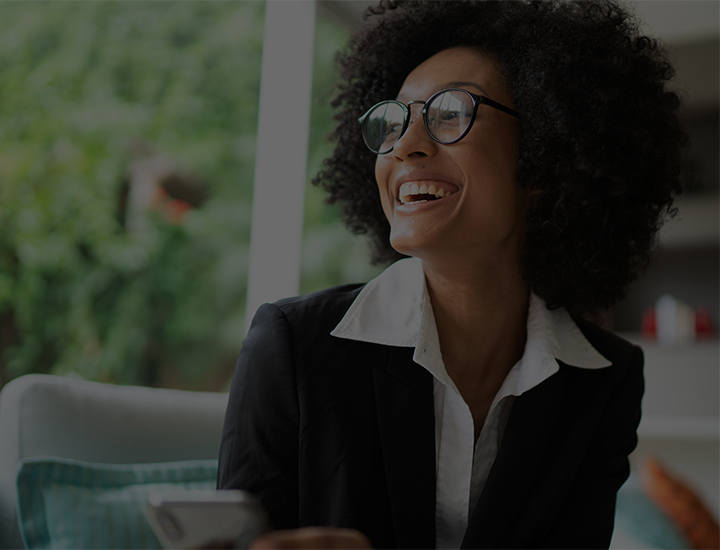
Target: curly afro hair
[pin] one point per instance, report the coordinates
(601, 142)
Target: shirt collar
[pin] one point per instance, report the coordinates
(389, 308)
(394, 309)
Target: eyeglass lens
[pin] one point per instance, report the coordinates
(448, 116)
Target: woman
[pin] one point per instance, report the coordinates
(523, 155)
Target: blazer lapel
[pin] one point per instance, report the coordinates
(404, 397)
(533, 419)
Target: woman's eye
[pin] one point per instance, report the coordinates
(392, 128)
(448, 116)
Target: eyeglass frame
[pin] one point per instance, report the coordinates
(477, 100)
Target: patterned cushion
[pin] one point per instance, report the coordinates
(71, 504)
(681, 504)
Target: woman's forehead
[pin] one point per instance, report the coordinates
(453, 68)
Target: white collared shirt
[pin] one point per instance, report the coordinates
(394, 309)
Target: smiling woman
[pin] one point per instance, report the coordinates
(522, 154)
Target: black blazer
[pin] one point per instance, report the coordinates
(328, 431)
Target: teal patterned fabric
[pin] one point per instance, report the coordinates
(71, 504)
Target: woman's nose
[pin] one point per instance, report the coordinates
(415, 141)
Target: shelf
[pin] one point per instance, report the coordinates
(704, 351)
(679, 427)
(682, 386)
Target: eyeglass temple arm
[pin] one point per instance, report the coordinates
(498, 106)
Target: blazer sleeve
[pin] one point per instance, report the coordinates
(259, 448)
(586, 517)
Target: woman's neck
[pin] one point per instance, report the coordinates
(481, 321)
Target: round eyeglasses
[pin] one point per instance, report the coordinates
(448, 116)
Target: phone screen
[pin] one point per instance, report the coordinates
(206, 519)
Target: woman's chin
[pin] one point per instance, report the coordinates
(412, 245)
(404, 244)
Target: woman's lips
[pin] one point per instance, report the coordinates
(413, 192)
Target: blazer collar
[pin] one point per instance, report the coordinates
(535, 415)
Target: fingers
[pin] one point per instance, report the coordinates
(312, 537)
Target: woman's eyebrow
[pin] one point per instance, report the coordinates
(453, 84)
(463, 83)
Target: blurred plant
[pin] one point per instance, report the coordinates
(82, 84)
(127, 145)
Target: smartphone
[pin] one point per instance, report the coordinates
(205, 519)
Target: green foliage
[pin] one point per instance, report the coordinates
(81, 86)
(87, 89)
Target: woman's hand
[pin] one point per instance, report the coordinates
(312, 537)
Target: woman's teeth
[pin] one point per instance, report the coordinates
(411, 193)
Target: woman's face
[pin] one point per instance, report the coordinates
(480, 217)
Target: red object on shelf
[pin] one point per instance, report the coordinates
(703, 323)
(648, 325)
